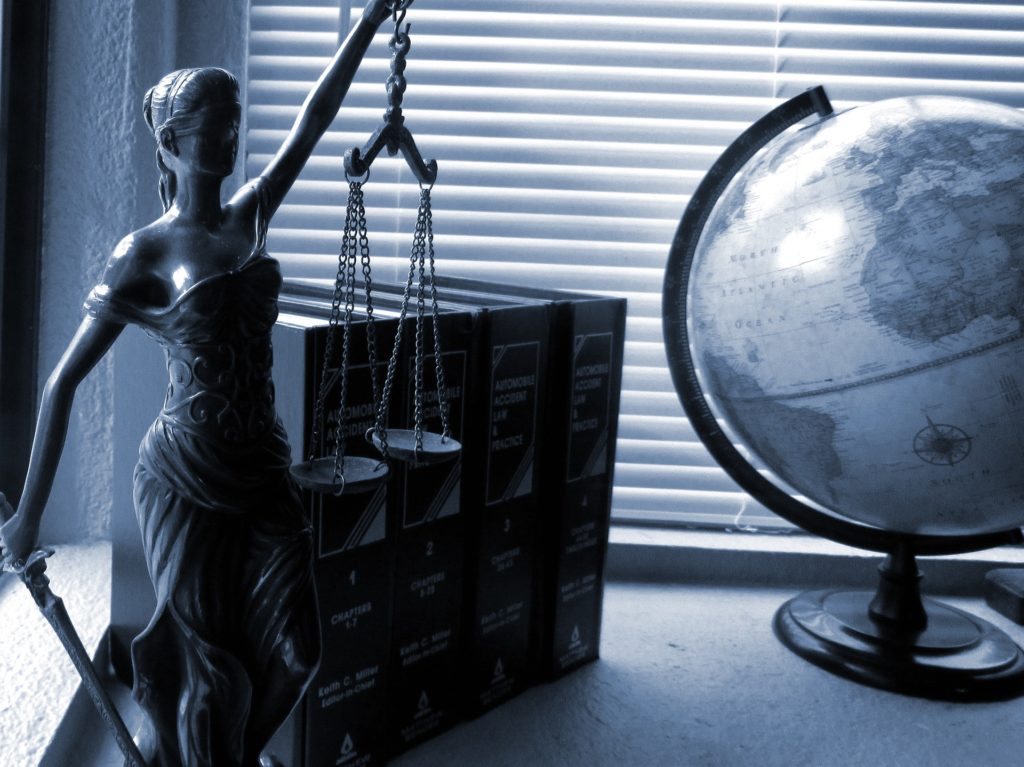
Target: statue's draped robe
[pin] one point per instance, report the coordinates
(226, 542)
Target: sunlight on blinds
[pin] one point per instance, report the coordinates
(570, 134)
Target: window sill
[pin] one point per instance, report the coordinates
(39, 681)
(792, 560)
(692, 675)
(674, 653)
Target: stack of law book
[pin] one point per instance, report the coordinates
(459, 584)
(577, 460)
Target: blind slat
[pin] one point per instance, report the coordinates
(552, 176)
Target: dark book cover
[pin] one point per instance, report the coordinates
(573, 623)
(427, 527)
(341, 719)
(500, 495)
(577, 459)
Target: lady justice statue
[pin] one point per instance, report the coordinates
(235, 637)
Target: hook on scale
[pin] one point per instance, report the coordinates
(392, 134)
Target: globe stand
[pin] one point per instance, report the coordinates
(895, 640)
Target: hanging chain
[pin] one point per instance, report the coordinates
(354, 244)
(389, 376)
(371, 333)
(340, 279)
(419, 247)
(442, 391)
(422, 251)
(398, 10)
(350, 249)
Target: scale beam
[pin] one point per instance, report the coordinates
(393, 135)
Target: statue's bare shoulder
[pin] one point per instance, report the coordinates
(135, 269)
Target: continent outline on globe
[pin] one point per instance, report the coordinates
(855, 363)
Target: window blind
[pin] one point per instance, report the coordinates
(570, 135)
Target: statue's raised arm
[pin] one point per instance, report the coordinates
(319, 108)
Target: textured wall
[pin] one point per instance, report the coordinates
(100, 185)
(90, 190)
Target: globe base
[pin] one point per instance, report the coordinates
(952, 656)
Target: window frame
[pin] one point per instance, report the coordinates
(23, 87)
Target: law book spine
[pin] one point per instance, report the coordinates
(427, 526)
(500, 497)
(341, 719)
(593, 340)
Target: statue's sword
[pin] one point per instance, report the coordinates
(33, 574)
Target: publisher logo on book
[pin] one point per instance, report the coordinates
(574, 638)
(499, 672)
(349, 755)
(423, 706)
(500, 686)
(425, 719)
(576, 649)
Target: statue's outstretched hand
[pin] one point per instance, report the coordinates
(17, 539)
(379, 11)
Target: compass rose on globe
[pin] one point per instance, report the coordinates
(941, 443)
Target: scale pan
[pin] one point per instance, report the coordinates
(436, 449)
(361, 475)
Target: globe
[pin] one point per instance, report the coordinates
(842, 315)
(855, 313)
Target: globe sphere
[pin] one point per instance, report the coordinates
(856, 300)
